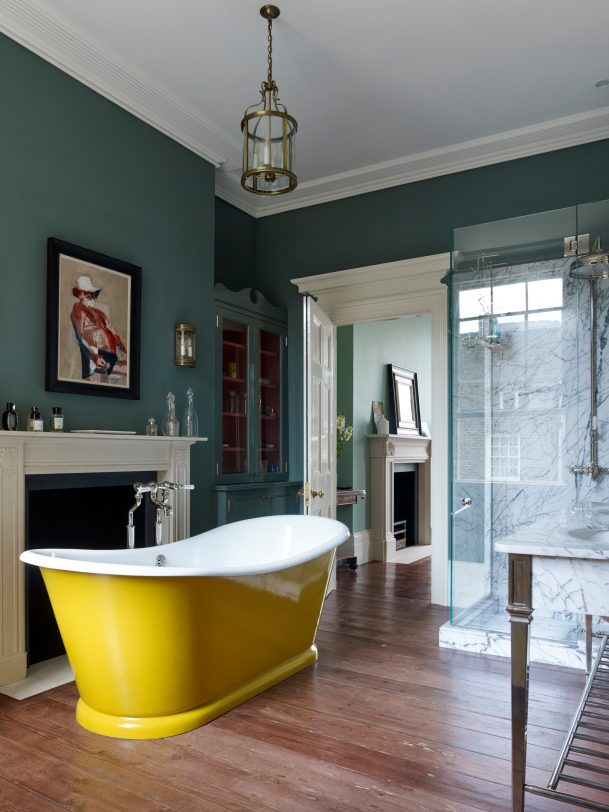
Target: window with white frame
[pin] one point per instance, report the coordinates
(505, 457)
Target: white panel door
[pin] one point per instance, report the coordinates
(320, 412)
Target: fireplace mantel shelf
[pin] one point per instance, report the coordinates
(24, 453)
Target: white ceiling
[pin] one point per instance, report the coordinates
(385, 92)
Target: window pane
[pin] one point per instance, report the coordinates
(474, 302)
(470, 326)
(545, 293)
(509, 298)
(549, 318)
(517, 319)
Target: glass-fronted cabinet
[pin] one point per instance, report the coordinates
(251, 360)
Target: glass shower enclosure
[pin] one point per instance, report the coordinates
(527, 417)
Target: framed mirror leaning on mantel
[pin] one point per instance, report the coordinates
(404, 412)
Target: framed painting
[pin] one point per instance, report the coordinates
(93, 323)
(405, 417)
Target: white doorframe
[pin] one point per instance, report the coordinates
(393, 290)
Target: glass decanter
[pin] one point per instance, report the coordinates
(171, 424)
(190, 421)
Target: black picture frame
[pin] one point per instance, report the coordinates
(404, 412)
(92, 347)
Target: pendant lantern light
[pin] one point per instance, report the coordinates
(268, 134)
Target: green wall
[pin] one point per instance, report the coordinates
(409, 221)
(77, 167)
(235, 250)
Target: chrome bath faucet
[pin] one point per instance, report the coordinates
(159, 496)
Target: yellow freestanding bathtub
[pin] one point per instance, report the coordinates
(164, 639)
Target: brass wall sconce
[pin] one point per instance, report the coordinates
(185, 349)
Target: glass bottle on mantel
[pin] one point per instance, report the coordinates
(190, 421)
(9, 418)
(171, 424)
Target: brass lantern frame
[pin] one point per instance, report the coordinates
(264, 170)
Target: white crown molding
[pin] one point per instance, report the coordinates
(71, 50)
(559, 133)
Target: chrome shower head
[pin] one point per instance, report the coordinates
(591, 266)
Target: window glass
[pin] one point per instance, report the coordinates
(545, 293)
(509, 298)
(474, 302)
(550, 317)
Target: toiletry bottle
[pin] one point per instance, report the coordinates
(171, 424)
(190, 421)
(57, 419)
(35, 422)
(9, 417)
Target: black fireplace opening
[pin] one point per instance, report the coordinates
(75, 511)
(405, 502)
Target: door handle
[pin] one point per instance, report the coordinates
(321, 494)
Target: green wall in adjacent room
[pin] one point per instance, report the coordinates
(409, 221)
(344, 403)
(402, 342)
(77, 167)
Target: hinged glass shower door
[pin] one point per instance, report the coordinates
(519, 404)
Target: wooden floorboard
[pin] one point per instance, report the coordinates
(386, 721)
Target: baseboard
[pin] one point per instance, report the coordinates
(13, 668)
(362, 546)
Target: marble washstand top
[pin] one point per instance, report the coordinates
(573, 536)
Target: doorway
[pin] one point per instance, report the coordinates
(393, 290)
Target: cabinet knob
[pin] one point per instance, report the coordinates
(321, 494)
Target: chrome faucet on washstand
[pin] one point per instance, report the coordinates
(159, 496)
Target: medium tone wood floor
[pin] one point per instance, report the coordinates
(386, 720)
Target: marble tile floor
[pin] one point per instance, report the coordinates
(484, 628)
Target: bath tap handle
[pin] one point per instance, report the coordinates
(130, 524)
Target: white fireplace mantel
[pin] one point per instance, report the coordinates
(23, 453)
(384, 451)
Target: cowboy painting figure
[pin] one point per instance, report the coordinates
(100, 345)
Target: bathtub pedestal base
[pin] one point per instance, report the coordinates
(156, 727)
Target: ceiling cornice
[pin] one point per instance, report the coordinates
(71, 50)
(560, 133)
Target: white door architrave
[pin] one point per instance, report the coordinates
(393, 290)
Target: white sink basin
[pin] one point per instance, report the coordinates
(589, 534)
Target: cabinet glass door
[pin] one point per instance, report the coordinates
(234, 459)
(269, 399)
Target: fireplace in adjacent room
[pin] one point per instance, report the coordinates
(399, 491)
(405, 504)
(75, 511)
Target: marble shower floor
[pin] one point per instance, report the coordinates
(489, 615)
(485, 629)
